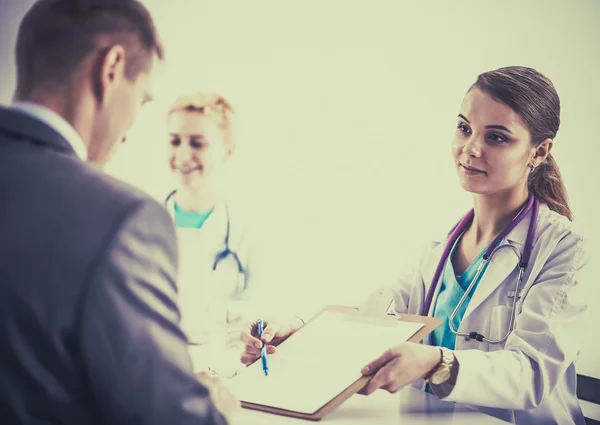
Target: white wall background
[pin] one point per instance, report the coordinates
(345, 118)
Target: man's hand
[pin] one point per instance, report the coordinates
(275, 333)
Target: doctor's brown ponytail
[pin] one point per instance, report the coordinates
(545, 181)
(534, 98)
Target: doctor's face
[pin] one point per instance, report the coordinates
(492, 146)
(197, 151)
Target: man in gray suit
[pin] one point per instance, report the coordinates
(89, 324)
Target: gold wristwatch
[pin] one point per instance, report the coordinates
(441, 373)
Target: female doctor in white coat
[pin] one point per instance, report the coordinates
(213, 249)
(505, 350)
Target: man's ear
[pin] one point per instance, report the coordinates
(110, 71)
(541, 152)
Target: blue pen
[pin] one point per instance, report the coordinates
(263, 350)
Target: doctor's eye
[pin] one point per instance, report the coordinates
(196, 144)
(175, 142)
(497, 138)
(463, 128)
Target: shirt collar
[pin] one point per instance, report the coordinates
(56, 122)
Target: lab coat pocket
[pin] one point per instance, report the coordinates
(499, 325)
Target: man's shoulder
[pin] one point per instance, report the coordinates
(109, 188)
(79, 181)
(88, 198)
(104, 192)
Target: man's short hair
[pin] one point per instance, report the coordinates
(55, 36)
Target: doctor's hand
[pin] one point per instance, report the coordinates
(223, 399)
(274, 333)
(400, 366)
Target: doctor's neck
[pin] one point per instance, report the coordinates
(493, 213)
(200, 201)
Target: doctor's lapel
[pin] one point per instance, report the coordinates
(428, 268)
(503, 263)
(215, 226)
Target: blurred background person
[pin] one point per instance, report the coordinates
(216, 281)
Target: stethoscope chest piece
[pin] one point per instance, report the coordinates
(227, 270)
(531, 207)
(226, 267)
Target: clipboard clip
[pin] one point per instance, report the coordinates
(391, 311)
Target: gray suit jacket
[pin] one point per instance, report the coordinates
(89, 324)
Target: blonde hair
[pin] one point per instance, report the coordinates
(211, 105)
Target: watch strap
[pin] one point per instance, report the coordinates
(446, 360)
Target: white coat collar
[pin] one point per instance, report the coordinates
(516, 235)
(502, 265)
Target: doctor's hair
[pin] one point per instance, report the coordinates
(211, 105)
(55, 36)
(533, 96)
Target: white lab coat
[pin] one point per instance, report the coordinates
(531, 378)
(204, 296)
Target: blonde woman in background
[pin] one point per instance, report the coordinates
(215, 264)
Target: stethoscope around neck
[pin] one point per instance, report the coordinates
(532, 206)
(226, 252)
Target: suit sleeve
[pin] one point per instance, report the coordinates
(133, 352)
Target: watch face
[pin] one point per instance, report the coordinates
(440, 376)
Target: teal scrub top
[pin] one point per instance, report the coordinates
(451, 291)
(189, 219)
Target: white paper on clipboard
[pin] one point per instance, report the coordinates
(320, 361)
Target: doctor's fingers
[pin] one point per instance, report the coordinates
(395, 386)
(382, 360)
(388, 378)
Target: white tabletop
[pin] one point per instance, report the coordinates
(409, 406)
